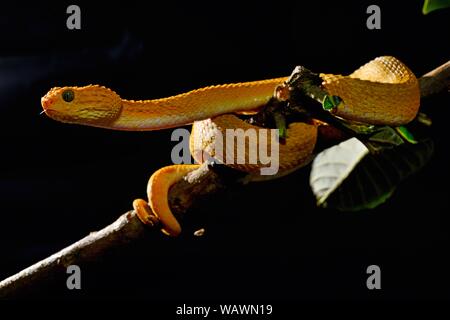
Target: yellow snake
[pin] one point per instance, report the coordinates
(383, 91)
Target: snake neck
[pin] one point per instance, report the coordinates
(196, 105)
(147, 115)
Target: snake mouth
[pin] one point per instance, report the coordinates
(55, 115)
(46, 106)
(46, 103)
(49, 112)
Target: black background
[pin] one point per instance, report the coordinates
(266, 242)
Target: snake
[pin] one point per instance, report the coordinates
(384, 91)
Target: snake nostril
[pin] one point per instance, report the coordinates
(46, 102)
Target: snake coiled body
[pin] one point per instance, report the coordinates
(384, 91)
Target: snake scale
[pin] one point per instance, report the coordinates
(383, 92)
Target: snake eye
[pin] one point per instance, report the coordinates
(68, 95)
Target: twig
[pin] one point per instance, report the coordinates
(435, 81)
(184, 195)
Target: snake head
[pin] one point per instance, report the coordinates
(90, 105)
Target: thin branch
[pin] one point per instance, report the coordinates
(184, 195)
(127, 228)
(435, 81)
(124, 230)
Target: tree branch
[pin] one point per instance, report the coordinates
(184, 195)
(198, 185)
(124, 230)
(435, 81)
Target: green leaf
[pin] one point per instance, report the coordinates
(432, 5)
(280, 123)
(330, 102)
(373, 179)
(358, 127)
(406, 134)
(386, 135)
(333, 165)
